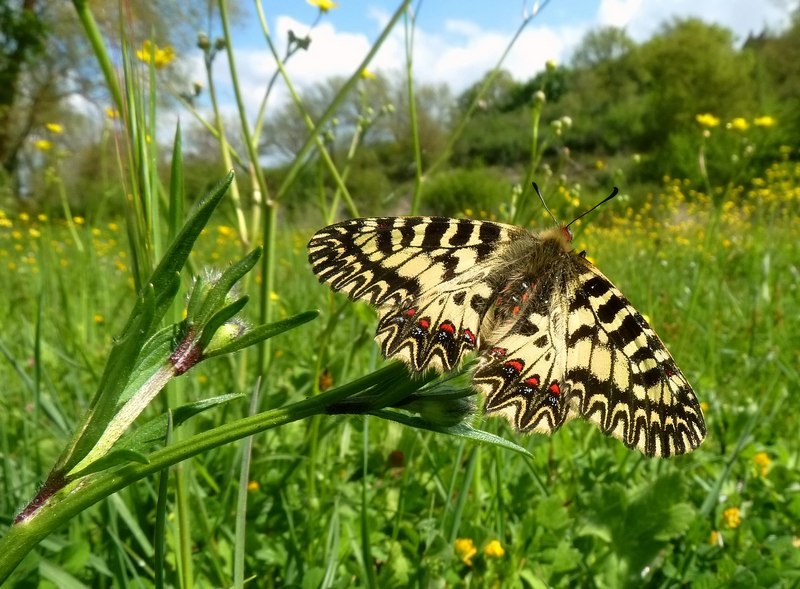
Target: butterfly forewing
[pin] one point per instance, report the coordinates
(555, 337)
(631, 387)
(426, 275)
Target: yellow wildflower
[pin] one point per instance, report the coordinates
(55, 128)
(42, 217)
(600, 165)
(465, 549)
(707, 120)
(367, 75)
(226, 231)
(253, 486)
(160, 56)
(715, 539)
(739, 123)
(7, 223)
(112, 113)
(24, 217)
(33, 232)
(43, 144)
(494, 549)
(732, 517)
(273, 296)
(98, 319)
(704, 406)
(323, 5)
(765, 121)
(78, 220)
(762, 462)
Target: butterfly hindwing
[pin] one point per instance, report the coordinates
(589, 353)
(426, 275)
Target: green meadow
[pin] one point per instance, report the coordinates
(284, 456)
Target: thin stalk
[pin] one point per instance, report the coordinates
(487, 83)
(99, 49)
(410, 23)
(366, 553)
(329, 113)
(314, 135)
(241, 501)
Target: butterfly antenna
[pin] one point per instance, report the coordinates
(541, 198)
(614, 193)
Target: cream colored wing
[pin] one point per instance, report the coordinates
(426, 275)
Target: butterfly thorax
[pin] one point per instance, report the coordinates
(532, 268)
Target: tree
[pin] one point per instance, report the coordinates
(48, 71)
(692, 67)
(23, 35)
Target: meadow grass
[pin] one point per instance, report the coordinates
(333, 501)
(329, 495)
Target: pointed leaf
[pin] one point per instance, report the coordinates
(264, 332)
(462, 430)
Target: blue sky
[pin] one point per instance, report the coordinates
(457, 42)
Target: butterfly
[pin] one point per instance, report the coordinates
(554, 337)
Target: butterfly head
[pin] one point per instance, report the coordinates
(560, 235)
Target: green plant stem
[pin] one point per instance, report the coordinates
(22, 538)
(410, 23)
(487, 83)
(300, 159)
(99, 48)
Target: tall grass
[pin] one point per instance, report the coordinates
(318, 500)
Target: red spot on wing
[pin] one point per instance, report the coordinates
(498, 352)
(469, 336)
(410, 312)
(424, 323)
(515, 364)
(448, 327)
(555, 389)
(532, 381)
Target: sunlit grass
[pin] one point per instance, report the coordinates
(716, 274)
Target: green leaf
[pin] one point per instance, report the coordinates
(121, 363)
(219, 319)
(176, 187)
(155, 430)
(219, 291)
(263, 332)
(462, 430)
(110, 460)
(178, 252)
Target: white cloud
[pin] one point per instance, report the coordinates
(460, 51)
(642, 18)
(458, 55)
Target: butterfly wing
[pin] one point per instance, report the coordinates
(426, 275)
(580, 349)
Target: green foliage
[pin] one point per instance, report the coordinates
(495, 139)
(476, 192)
(322, 495)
